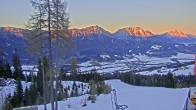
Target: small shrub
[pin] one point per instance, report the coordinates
(69, 106)
(92, 98)
(84, 105)
(92, 101)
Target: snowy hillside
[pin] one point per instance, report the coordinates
(136, 98)
(10, 88)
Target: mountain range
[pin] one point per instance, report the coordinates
(94, 42)
(132, 31)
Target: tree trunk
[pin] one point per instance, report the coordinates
(50, 56)
(57, 41)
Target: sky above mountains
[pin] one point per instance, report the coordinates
(156, 15)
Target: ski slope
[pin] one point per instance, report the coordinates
(137, 98)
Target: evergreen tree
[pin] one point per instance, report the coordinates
(1, 69)
(68, 88)
(61, 75)
(72, 94)
(14, 101)
(170, 80)
(18, 75)
(29, 78)
(33, 93)
(82, 86)
(38, 100)
(74, 68)
(7, 104)
(63, 93)
(17, 99)
(40, 78)
(27, 99)
(7, 69)
(19, 92)
(2, 52)
(66, 93)
(76, 91)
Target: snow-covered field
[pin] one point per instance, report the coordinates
(142, 62)
(136, 98)
(186, 70)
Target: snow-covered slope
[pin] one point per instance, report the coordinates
(88, 31)
(137, 98)
(177, 33)
(10, 88)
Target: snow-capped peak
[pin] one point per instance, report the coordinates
(138, 32)
(177, 33)
(17, 31)
(88, 31)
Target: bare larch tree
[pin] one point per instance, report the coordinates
(54, 18)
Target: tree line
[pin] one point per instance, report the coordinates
(169, 80)
(5, 68)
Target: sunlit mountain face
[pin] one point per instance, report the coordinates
(96, 42)
(13, 30)
(138, 32)
(88, 31)
(177, 33)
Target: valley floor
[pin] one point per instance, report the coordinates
(146, 65)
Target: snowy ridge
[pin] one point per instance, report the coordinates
(177, 33)
(138, 32)
(88, 31)
(13, 30)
